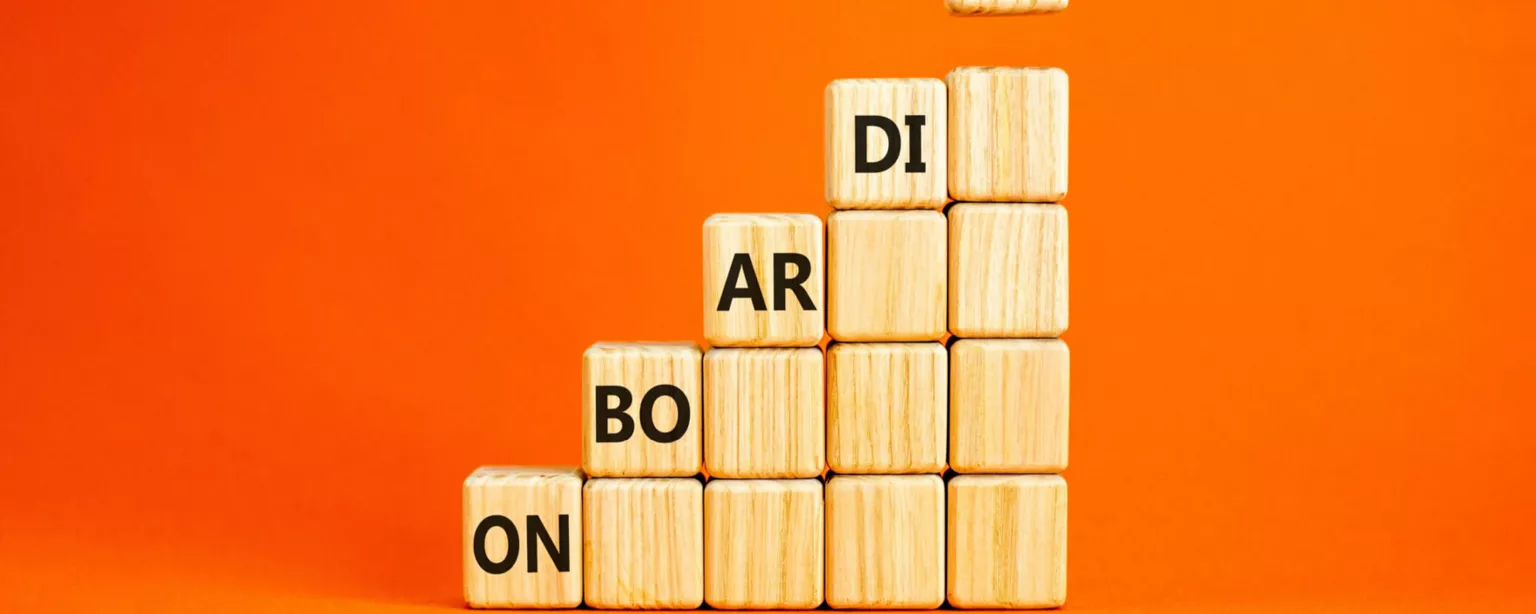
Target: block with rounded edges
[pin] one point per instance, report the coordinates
(904, 172)
(1004, 7)
(764, 413)
(885, 541)
(1007, 541)
(656, 385)
(1007, 134)
(763, 280)
(522, 537)
(886, 275)
(763, 544)
(644, 544)
(1007, 270)
(887, 407)
(1008, 405)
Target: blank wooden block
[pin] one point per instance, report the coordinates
(1003, 7)
(1007, 270)
(763, 542)
(656, 385)
(886, 407)
(904, 172)
(1008, 134)
(645, 543)
(886, 274)
(1008, 406)
(522, 537)
(763, 280)
(764, 413)
(1007, 541)
(885, 541)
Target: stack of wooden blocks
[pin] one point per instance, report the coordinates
(766, 474)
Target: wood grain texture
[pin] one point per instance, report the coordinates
(897, 187)
(763, 544)
(887, 407)
(885, 541)
(1008, 407)
(1003, 7)
(1008, 134)
(638, 367)
(886, 275)
(761, 236)
(644, 544)
(1007, 270)
(764, 413)
(1007, 541)
(516, 493)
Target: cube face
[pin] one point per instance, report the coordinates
(1007, 270)
(640, 404)
(1003, 7)
(886, 144)
(764, 413)
(763, 280)
(1008, 407)
(1007, 134)
(887, 407)
(763, 544)
(885, 537)
(522, 537)
(886, 274)
(644, 544)
(1007, 541)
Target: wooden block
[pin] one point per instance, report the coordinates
(522, 537)
(1008, 134)
(645, 543)
(764, 413)
(763, 280)
(885, 541)
(1007, 270)
(1003, 7)
(886, 274)
(640, 409)
(886, 144)
(763, 544)
(1008, 409)
(1007, 541)
(886, 407)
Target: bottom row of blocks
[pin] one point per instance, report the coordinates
(856, 542)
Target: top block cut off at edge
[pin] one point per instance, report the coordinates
(764, 282)
(886, 144)
(1004, 7)
(1007, 134)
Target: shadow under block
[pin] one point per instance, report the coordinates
(901, 124)
(886, 275)
(1007, 541)
(885, 541)
(640, 404)
(1008, 405)
(1007, 270)
(1003, 7)
(522, 537)
(764, 413)
(763, 544)
(644, 544)
(886, 407)
(763, 280)
(1007, 134)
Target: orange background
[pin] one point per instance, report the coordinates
(274, 279)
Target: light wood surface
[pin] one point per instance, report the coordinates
(763, 544)
(638, 367)
(1007, 270)
(761, 236)
(885, 541)
(1007, 541)
(886, 275)
(1007, 134)
(896, 187)
(1003, 7)
(644, 543)
(886, 407)
(516, 493)
(764, 413)
(1008, 407)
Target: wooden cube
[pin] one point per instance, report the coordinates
(1007, 270)
(886, 274)
(763, 544)
(1008, 409)
(640, 404)
(1007, 541)
(886, 407)
(764, 413)
(763, 280)
(522, 537)
(886, 144)
(1008, 134)
(885, 541)
(1003, 7)
(645, 543)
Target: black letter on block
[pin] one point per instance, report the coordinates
(561, 556)
(861, 126)
(784, 282)
(741, 267)
(496, 568)
(648, 422)
(606, 414)
(915, 147)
